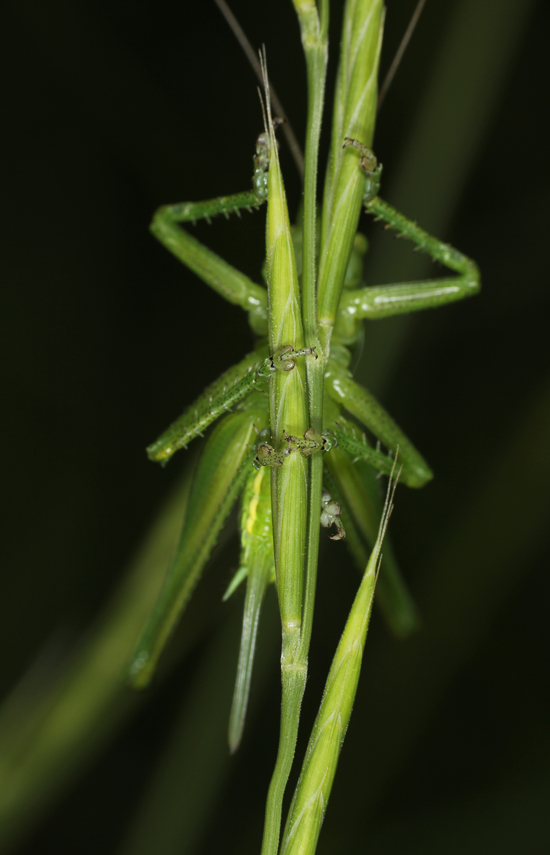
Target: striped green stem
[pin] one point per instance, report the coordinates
(288, 410)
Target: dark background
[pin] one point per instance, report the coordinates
(109, 111)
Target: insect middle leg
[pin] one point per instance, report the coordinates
(231, 388)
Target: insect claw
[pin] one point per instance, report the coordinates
(329, 441)
(330, 515)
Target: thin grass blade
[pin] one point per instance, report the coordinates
(315, 783)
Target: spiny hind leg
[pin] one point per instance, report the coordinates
(363, 405)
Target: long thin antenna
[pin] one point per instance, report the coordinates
(266, 129)
(251, 56)
(265, 83)
(400, 51)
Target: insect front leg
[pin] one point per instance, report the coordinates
(233, 285)
(387, 300)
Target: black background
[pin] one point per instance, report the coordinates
(112, 109)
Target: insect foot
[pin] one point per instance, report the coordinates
(308, 444)
(284, 359)
(329, 440)
(267, 456)
(312, 441)
(330, 515)
(371, 167)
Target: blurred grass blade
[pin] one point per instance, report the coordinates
(46, 739)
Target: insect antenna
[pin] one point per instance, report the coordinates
(399, 53)
(266, 105)
(388, 503)
(248, 50)
(265, 82)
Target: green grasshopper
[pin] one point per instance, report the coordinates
(293, 418)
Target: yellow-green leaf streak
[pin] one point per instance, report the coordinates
(257, 560)
(219, 479)
(288, 406)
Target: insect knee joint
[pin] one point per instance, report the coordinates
(371, 168)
